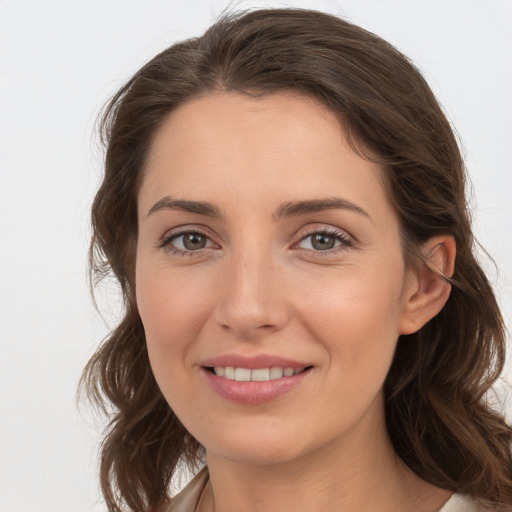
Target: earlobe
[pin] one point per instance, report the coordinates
(428, 288)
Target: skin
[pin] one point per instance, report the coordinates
(261, 285)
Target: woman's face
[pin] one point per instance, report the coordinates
(268, 249)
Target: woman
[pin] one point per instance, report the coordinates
(283, 205)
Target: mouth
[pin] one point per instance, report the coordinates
(256, 385)
(255, 374)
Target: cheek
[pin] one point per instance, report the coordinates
(164, 316)
(167, 306)
(356, 319)
(173, 312)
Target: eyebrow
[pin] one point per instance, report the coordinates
(289, 209)
(200, 207)
(317, 205)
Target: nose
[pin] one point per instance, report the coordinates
(252, 300)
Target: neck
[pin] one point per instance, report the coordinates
(358, 473)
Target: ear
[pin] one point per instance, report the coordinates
(427, 288)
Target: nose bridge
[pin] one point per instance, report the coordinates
(252, 299)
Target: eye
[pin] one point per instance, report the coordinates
(185, 242)
(325, 240)
(191, 241)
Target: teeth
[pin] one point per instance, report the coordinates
(256, 375)
(260, 374)
(243, 375)
(276, 372)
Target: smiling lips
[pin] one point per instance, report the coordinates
(253, 380)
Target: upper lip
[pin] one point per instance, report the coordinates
(253, 362)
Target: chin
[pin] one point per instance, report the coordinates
(254, 455)
(253, 446)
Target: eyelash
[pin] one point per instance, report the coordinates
(346, 241)
(165, 242)
(337, 234)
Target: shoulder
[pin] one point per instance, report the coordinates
(187, 499)
(462, 503)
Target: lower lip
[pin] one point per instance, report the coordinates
(253, 393)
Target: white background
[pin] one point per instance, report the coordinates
(59, 62)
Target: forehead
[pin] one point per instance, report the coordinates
(276, 146)
(231, 120)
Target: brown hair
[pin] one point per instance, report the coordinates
(436, 409)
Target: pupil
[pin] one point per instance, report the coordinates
(194, 241)
(323, 242)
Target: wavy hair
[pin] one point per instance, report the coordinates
(437, 414)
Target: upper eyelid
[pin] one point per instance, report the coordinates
(181, 230)
(326, 229)
(343, 234)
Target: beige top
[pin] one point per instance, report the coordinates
(188, 498)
